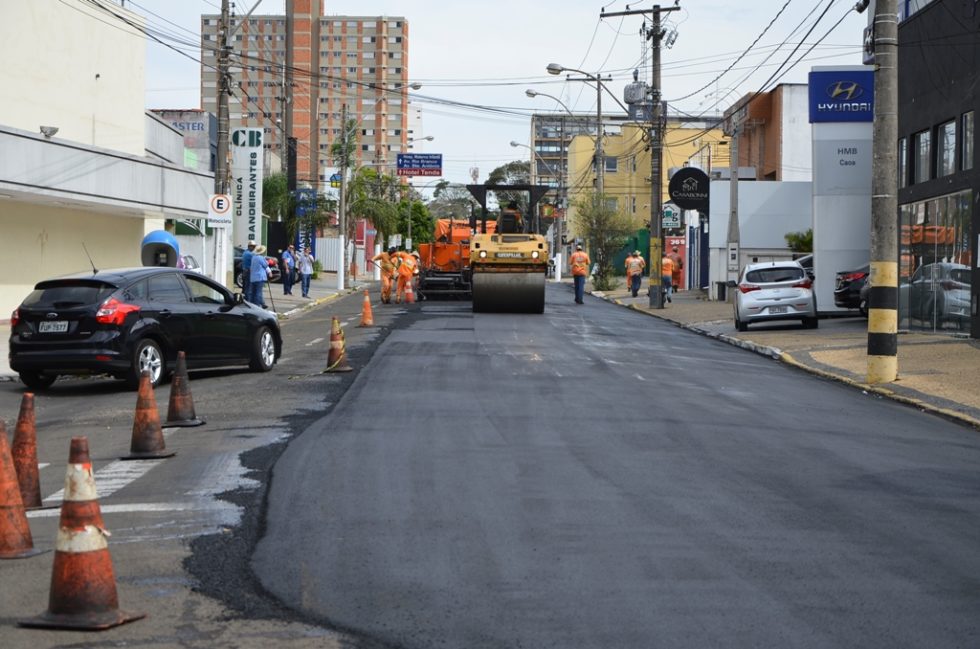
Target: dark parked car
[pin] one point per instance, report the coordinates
(939, 293)
(123, 321)
(847, 290)
(807, 262)
(274, 273)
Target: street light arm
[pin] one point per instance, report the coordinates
(555, 68)
(538, 156)
(535, 93)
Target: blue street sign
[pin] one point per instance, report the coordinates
(419, 164)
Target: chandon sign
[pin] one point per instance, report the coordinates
(688, 188)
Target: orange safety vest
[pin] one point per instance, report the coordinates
(387, 265)
(407, 266)
(635, 266)
(666, 266)
(579, 261)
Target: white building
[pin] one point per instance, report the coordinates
(81, 162)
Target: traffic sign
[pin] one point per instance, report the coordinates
(219, 211)
(419, 164)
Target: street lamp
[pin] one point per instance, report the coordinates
(555, 68)
(534, 93)
(427, 138)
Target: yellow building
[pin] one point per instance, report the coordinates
(626, 153)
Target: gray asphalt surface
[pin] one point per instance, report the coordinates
(547, 481)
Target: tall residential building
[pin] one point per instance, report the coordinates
(357, 61)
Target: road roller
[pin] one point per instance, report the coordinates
(508, 268)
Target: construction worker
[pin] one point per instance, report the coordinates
(635, 266)
(405, 267)
(675, 256)
(385, 261)
(579, 262)
(666, 275)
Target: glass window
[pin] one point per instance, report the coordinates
(612, 164)
(920, 157)
(166, 288)
(967, 142)
(202, 292)
(946, 149)
(903, 162)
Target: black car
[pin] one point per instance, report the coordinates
(123, 321)
(847, 290)
(274, 273)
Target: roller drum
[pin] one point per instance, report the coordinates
(508, 292)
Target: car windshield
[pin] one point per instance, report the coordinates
(772, 275)
(68, 293)
(961, 275)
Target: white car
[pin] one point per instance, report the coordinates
(774, 290)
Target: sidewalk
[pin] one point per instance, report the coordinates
(937, 372)
(321, 290)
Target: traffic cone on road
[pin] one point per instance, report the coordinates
(337, 358)
(147, 441)
(409, 293)
(83, 585)
(180, 409)
(367, 317)
(24, 453)
(15, 534)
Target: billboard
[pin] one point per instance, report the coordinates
(246, 185)
(843, 95)
(419, 164)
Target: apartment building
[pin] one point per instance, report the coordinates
(360, 62)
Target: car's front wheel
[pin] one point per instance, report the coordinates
(263, 350)
(147, 357)
(37, 380)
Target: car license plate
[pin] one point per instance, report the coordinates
(777, 309)
(53, 327)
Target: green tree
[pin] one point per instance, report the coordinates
(372, 195)
(279, 203)
(517, 172)
(800, 241)
(605, 230)
(451, 200)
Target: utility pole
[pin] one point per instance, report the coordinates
(733, 254)
(342, 205)
(655, 291)
(883, 299)
(220, 262)
(287, 76)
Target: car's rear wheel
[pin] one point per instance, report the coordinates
(37, 380)
(263, 350)
(239, 281)
(739, 325)
(810, 323)
(147, 357)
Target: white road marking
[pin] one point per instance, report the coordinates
(114, 476)
(41, 465)
(639, 377)
(314, 341)
(124, 508)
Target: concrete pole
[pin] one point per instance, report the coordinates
(655, 293)
(883, 298)
(732, 254)
(600, 162)
(342, 205)
(221, 271)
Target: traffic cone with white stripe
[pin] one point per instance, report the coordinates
(367, 316)
(147, 441)
(409, 293)
(15, 534)
(24, 452)
(337, 358)
(83, 585)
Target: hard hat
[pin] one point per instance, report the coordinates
(578, 246)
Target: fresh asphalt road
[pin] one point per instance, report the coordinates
(593, 477)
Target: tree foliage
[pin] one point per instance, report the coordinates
(605, 230)
(450, 200)
(279, 203)
(800, 241)
(516, 172)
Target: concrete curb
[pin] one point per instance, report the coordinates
(785, 357)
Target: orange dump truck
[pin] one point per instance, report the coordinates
(445, 263)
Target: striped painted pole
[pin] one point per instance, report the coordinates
(83, 584)
(883, 322)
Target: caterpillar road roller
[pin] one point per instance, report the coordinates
(508, 267)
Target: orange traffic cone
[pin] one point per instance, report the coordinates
(83, 584)
(15, 534)
(147, 442)
(367, 317)
(337, 358)
(180, 409)
(409, 293)
(24, 453)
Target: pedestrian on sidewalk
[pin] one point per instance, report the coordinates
(288, 269)
(257, 276)
(246, 267)
(579, 262)
(635, 266)
(666, 276)
(675, 274)
(306, 270)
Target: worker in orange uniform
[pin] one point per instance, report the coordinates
(405, 265)
(675, 256)
(666, 276)
(635, 267)
(385, 261)
(579, 262)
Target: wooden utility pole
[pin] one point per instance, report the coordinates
(655, 291)
(224, 89)
(883, 298)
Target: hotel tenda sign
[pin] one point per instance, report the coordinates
(842, 96)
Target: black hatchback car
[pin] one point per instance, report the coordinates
(124, 321)
(847, 290)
